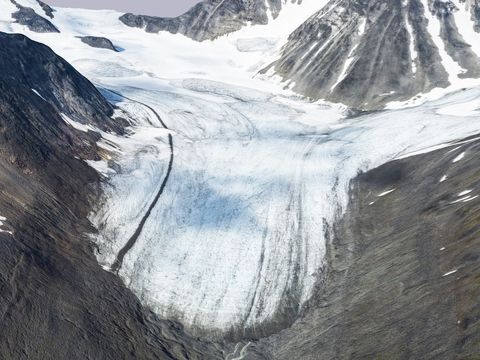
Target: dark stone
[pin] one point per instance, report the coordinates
(98, 42)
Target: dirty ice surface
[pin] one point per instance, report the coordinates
(259, 175)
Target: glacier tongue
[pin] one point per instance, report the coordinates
(238, 236)
(236, 228)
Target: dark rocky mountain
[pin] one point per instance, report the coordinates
(28, 17)
(98, 42)
(55, 300)
(362, 53)
(210, 19)
(35, 67)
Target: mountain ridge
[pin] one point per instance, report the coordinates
(211, 18)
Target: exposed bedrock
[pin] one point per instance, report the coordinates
(402, 279)
(48, 10)
(210, 18)
(98, 42)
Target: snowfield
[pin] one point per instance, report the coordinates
(259, 175)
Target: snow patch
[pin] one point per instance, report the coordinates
(309, 50)
(413, 52)
(37, 93)
(450, 65)
(76, 124)
(450, 272)
(464, 199)
(459, 157)
(2, 218)
(387, 94)
(465, 25)
(386, 192)
(455, 149)
(361, 28)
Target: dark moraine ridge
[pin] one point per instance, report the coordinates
(133, 239)
(131, 242)
(389, 291)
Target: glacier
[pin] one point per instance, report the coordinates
(259, 175)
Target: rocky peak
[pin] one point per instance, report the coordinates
(210, 18)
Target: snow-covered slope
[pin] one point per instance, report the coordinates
(236, 241)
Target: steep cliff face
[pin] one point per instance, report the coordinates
(368, 53)
(33, 131)
(211, 18)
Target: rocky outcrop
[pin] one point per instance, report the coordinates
(48, 10)
(28, 17)
(367, 53)
(210, 18)
(98, 42)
